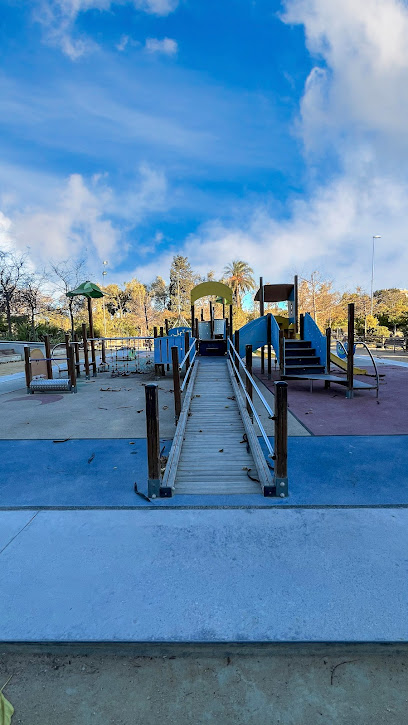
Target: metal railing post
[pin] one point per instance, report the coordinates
(350, 351)
(27, 366)
(176, 381)
(302, 327)
(48, 356)
(71, 367)
(153, 440)
(281, 439)
(328, 352)
(248, 365)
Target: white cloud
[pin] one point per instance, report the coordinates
(82, 217)
(167, 46)
(360, 85)
(123, 43)
(58, 18)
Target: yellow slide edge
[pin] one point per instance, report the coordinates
(343, 365)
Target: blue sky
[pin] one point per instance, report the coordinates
(269, 131)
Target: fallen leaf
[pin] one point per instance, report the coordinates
(91, 458)
(99, 408)
(165, 407)
(140, 411)
(221, 450)
(131, 443)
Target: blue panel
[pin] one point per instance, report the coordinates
(312, 332)
(163, 345)
(255, 333)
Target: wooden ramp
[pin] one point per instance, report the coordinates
(215, 446)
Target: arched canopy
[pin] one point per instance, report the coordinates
(211, 288)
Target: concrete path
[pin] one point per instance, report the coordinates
(206, 576)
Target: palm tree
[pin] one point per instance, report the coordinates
(238, 275)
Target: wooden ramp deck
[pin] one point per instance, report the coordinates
(215, 446)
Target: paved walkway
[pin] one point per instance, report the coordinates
(205, 576)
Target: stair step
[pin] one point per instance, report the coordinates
(293, 343)
(303, 369)
(303, 360)
(306, 351)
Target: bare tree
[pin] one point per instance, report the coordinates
(31, 297)
(68, 274)
(11, 270)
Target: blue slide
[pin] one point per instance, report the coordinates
(255, 333)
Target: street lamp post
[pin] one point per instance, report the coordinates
(104, 273)
(376, 236)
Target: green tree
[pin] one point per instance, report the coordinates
(182, 281)
(391, 307)
(160, 293)
(238, 275)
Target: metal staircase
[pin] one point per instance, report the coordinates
(300, 359)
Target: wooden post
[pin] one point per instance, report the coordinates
(77, 358)
(91, 327)
(223, 310)
(103, 351)
(350, 351)
(281, 353)
(196, 333)
(231, 323)
(48, 356)
(153, 440)
(302, 327)
(155, 332)
(296, 303)
(157, 366)
(248, 384)
(269, 339)
(186, 349)
(261, 314)
(176, 381)
(236, 345)
(281, 439)
(192, 320)
(328, 351)
(27, 366)
(166, 324)
(211, 320)
(202, 314)
(86, 357)
(71, 367)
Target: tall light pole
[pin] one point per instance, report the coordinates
(376, 236)
(104, 273)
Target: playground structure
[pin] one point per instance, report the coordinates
(39, 372)
(215, 448)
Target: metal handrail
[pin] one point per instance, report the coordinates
(186, 356)
(372, 360)
(190, 367)
(255, 387)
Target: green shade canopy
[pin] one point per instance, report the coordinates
(86, 289)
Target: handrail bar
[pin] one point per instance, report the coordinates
(256, 416)
(186, 356)
(254, 385)
(359, 342)
(190, 367)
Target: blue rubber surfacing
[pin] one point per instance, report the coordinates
(323, 471)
